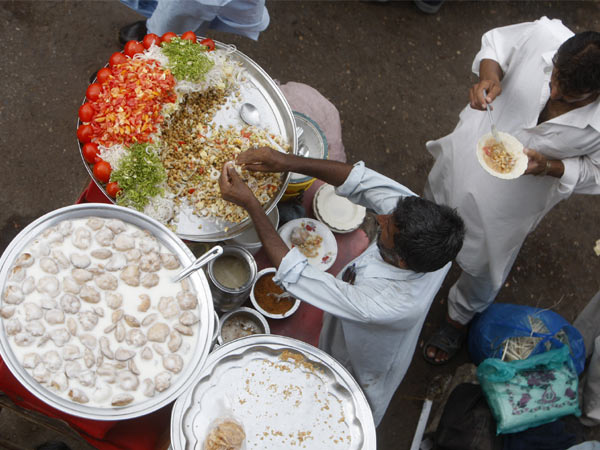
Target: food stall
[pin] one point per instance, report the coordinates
(119, 383)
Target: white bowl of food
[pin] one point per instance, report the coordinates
(504, 160)
(240, 323)
(249, 239)
(269, 299)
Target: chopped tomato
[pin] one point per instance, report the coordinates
(129, 106)
(191, 191)
(167, 37)
(86, 112)
(117, 58)
(132, 48)
(90, 152)
(93, 91)
(85, 133)
(103, 75)
(102, 171)
(209, 43)
(150, 39)
(189, 36)
(113, 189)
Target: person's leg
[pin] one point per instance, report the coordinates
(467, 297)
(591, 389)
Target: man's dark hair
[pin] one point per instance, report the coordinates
(428, 235)
(577, 63)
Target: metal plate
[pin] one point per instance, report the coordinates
(198, 280)
(276, 400)
(315, 141)
(276, 115)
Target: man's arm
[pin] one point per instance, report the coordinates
(234, 190)
(490, 78)
(265, 159)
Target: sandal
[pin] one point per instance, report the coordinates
(448, 339)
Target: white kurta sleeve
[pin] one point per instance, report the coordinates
(341, 299)
(581, 175)
(500, 44)
(372, 190)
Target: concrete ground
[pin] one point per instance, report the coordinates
(397, 76)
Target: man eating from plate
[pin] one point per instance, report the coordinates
(376, 306)
(543, 83)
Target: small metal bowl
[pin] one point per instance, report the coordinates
(288, 313)
(247, 313)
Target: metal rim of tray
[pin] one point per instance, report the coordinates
(168, 239)
(182, 405)
(286, 113)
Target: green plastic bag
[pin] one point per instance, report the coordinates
(528, 393)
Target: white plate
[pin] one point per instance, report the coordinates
(338, 213)
(513, 146)
(328, 250)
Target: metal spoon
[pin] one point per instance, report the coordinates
(251, 115)
(278, 297)
(494, 130)
(201, 261)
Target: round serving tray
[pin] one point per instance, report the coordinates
(276, 115)
(315, 384)
(198, 280)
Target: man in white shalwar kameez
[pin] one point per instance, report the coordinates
(548, 100)
(375, 308)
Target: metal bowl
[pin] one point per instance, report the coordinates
(198, 281)
(274, 111)
(288, 313)
(249, 313)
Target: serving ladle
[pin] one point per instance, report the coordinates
(207, 257)
(251, 115)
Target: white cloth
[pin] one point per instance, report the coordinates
(371, 327)
(498, 214)
(588, 324)
(245, 17)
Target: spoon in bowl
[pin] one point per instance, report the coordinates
(207, 257)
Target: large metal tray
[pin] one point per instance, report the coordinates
(276, 115)
(276, 401)
(198, 280)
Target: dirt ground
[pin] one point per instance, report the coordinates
(398, 77)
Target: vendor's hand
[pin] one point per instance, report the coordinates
(262, 159)
(477, 98)
(233, 188)
(537, 164)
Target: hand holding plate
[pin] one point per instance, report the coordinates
(536, 164)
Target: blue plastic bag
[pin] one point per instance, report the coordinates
(490, 330)
(531, 392)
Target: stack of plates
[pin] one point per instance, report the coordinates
(283, 392)
(338, 213)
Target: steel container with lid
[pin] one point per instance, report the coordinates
(227, 296)
(316, 144)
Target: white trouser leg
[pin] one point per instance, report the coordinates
(591, 388)
(470, 295)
